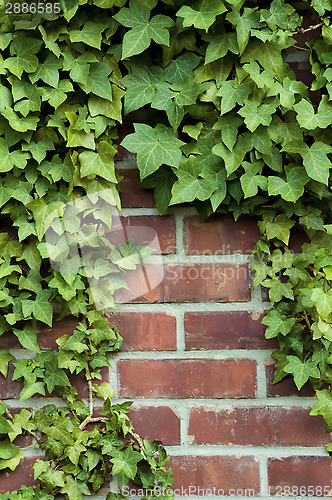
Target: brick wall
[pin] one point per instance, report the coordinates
(197, 366)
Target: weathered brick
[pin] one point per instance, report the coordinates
(160, 422)
(10, 388)
(257, 426)
(231, 475)
(23, 474)
(285, 387)
(287, 475)
(143, 331)
(47, 336)
(187, 378)
(188, 283)
(122, 153)
(226, 330)
(219, 235)
(132, 195)
(151, 230)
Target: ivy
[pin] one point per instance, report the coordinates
(219, 121)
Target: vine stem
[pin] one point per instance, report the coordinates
(307, 319)
(310, 28)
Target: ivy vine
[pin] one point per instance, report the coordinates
(221, 121)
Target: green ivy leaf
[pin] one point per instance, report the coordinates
(143, 30)
(191, 184)
(290, 189)
(244, 24)
(28, 338)
(126, 462)
(90, 34)
(5, 357)
(204, 17)
(300, 370)
(324, 407)
(100, 163)
(154, 146)
(277, 323)
(232, 95)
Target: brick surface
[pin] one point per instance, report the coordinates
(122, 153)
(153, 230)
(297, 472)
(190, 378)
(228, 473)
(226, 330)
(285, 387)
(161, 423)
(257, 426)
(23, 474)
(132, 195)
(10, 388)
(219, 235)
(188, 283)
(145, 331)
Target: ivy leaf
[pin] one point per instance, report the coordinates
(255, 115)
(101, 163)
(6, 98)
(54, 376)
(44, 214)
(43, 309)
(23, 50)
(301, 371)
(5, 357)
(98, 82)
(279, 228)
(204, 17)
(30, 389)
(228, 125)
(162, 181)
(308, 119)
(154, 146)
(9, 160)
(232, 95)
(8, 449)
(137, 17)
(290, 189)
(190, 184)
(48, 71)
(234, 158)
(126, 462)
(322, 301)
(277, 323)
(28, 338)
(244, 24)
(324, 407)
(89, 34)
(278, 290)
(315, 159)
(268, 54)
(250, 181)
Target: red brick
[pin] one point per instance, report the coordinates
(10, 388)
(226, 330)
(23, 474)
(285, 387)
(219, 235)
(132, 195)
(189, 378)
(47, 336)
(145, 331)
(122, 153)
(153, 230)
(256, 426)
(161, 423)
(313, 474)
(188, 283)
(227, 473)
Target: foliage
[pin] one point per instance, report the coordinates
(234, 132)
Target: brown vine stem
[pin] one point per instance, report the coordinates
(310, 28)
(32, 433)
(307, 319)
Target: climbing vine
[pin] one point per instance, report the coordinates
(219, 120)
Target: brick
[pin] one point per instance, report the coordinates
(231, 475)
(296, 472)
(226, 330)
(152, 230)
(10, 389)
(256, 426)
(47, 336)
(23, 474)
(285, 387)
(122, 153)
(188, 283)
(142, 331)
(187, 378)
(157, 422)
(132, 195)
(219, 235)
